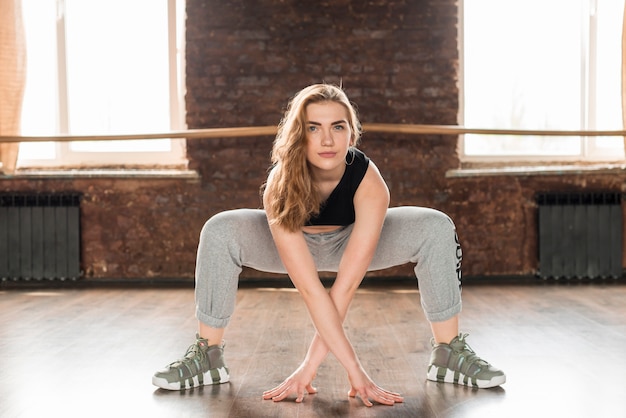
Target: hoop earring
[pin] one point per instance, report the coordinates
(353, 155)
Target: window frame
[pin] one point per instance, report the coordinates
(175, 157)
(589, 152)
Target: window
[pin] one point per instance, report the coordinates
(541, 65)
(103, 67)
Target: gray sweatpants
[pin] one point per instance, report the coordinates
(241, 237)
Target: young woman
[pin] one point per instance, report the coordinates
(326, 209)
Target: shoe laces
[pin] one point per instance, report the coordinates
(469, 355)
(194, 353)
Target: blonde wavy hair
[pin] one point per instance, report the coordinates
(291, 196)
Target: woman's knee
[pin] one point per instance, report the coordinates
(430, 219)
(234, 224)
(442, 226)
(437, 230)
(221, 225)
(448, 239)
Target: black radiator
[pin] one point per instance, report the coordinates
(580, 235)
(39, 236)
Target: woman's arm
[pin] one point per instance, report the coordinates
(370, 203)
(301, 268)
(328, 310)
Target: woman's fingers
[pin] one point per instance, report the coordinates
(367, 393)
(285, 389)
(396, 397)
(300, 397)
(275, 392)
(377, 394)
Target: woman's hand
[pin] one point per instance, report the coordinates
(299, 384)
(363, 387)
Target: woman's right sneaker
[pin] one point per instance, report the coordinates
(202, 365)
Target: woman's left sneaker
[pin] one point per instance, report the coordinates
(457, 363)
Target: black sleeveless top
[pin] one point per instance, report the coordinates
(338, 209)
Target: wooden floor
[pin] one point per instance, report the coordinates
(91, 352)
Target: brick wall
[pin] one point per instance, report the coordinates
(398, 62)
(396, 59)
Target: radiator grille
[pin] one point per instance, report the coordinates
(39, 236)
(580, 235)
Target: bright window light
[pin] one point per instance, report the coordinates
(542, 65)
(107, 71)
